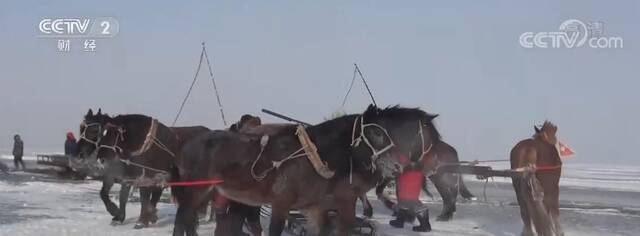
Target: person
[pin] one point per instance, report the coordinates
(18, 151)
(70, 145)
(408, 186)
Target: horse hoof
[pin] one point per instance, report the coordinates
(139, 225)
(443, 218)
(115, 223)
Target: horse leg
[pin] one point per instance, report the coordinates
(155, 198)
(346, 215)
(186, 221)
(540, 218)
(448, 200)
(279, 213)
(367, 209)
(124, 198)
(236, 214)
(319, 218)
(252, 217)
(552, 202)
(111, 207)
(517, 183)
(143, 219)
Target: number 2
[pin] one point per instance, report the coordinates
(106, 25)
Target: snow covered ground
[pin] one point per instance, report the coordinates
(595, 201)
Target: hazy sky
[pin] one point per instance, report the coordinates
(461, 60)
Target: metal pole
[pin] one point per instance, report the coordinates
(285, 117)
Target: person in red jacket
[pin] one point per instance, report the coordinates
(409, 206)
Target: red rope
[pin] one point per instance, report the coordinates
(195, 182)
(543, 168)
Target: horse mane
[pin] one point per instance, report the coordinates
(120, 119)
(413, 113)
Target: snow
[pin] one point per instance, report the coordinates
(39, 204)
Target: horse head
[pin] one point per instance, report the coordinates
(123, 136)
(246, 121)
(91, 132)
(547, 133)
(391, 135)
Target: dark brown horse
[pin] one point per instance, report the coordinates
(145, 148)
(539, 154)
(359, 150)
(448, 184)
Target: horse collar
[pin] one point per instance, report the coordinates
(148, 141)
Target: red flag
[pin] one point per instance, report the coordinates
(564, 150)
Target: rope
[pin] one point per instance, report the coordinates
(128, 162)
(162, 146)
(365, 84)
(190, 88)
(203, 55)
(344, 101)
(215, 88)
(274, 164)
(194, 183)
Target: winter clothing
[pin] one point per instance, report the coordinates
(408, 186)
(18, 151)
(70, 145)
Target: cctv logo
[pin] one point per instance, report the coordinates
(86, 27)
(64, 26)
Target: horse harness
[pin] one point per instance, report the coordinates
(308, 149)
(151, 139)
(311, 151)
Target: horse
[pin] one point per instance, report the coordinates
(447, 184)
(345, 157)
(156, 145)
(122, 136)
(538, 153)
(91, 129)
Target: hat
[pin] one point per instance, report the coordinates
(70, 135)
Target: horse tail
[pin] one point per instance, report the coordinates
(464, 191)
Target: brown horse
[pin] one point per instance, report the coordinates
(359, 149)
(540, 154)
(448, 184)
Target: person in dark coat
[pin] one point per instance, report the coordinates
(18, 151)
(70, 145)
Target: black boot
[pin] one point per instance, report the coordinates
(401, 217)
(423, 218)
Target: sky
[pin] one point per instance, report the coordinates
(462, 60)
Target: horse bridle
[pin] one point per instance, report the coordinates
(355, 141)
(83, 135)
(119, 137)
(150, 140)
